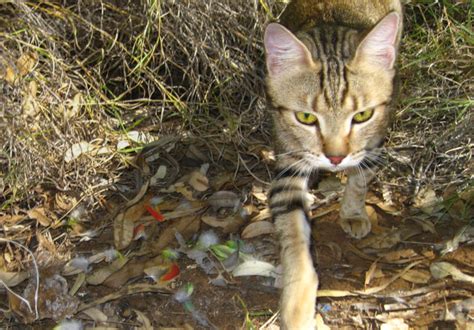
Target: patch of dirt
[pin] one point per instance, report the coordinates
(363, 283)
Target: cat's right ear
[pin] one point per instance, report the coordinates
(283, 50)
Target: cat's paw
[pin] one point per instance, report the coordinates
(356, 226)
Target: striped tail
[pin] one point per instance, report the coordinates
(289, 201)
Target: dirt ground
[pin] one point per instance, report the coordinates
(387, 279)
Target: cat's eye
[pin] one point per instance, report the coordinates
(306, 118)
(363, 116)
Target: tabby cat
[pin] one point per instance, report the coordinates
(330, 83)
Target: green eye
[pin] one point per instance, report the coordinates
(306, 118)
(362, 116)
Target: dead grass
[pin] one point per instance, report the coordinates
(433, 128)
(100, 70)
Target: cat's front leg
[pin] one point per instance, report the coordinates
(288, 202)
(353, 217)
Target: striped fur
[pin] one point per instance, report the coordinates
(336, 73)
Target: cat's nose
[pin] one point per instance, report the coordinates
(336, 160)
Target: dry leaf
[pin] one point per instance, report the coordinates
(425, 224)
(39, 214)
(228, 224)
(390, 281)
(255, 229)
(145, 321)
(11, 219)
(76, 266)
(186, 226)
(394, 324)
(465, 234)
(64, 201)
(268, 156)
(369, 274)
(125, 291)
(156, 271)
(417, 276)
(10, 75)
(198, 181)
(374, 220)
(387, 205)
(372, 214)
(381, 241)
(30, 105)
(335, 293)
(427, 201)
(399, 254)
(74, 106)
(123, 231)
(139, 137)
(262, 215)
(98, 276)
(443, 269)
(185, 191)
(390, 239)
(467, 195)
(26, 63)
(196, 207)
(159, 175)
(138, 197)
(95, 314)
(254, 268)
(80, 280)
(259, 194)
(77, 150)
(124, 223)
(220, 180)
(224, 199)
(12, 279)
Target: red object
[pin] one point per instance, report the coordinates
(173, 271)
(139, 232)
(155, 214)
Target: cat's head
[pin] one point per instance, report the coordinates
(330, 90)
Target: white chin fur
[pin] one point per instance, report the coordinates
(323, 163)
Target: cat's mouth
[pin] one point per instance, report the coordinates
(336, 163)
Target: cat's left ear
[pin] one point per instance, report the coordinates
(379, 47)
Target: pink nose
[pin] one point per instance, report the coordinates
(336, 160)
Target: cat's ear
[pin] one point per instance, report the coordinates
(379, 46)
(283, 50)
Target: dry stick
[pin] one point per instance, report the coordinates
(17, 295)
(369, 291)
(128, 290)
(37, 278)
(140, 194)
(271, 320)
(251, 173)
(362, 255)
